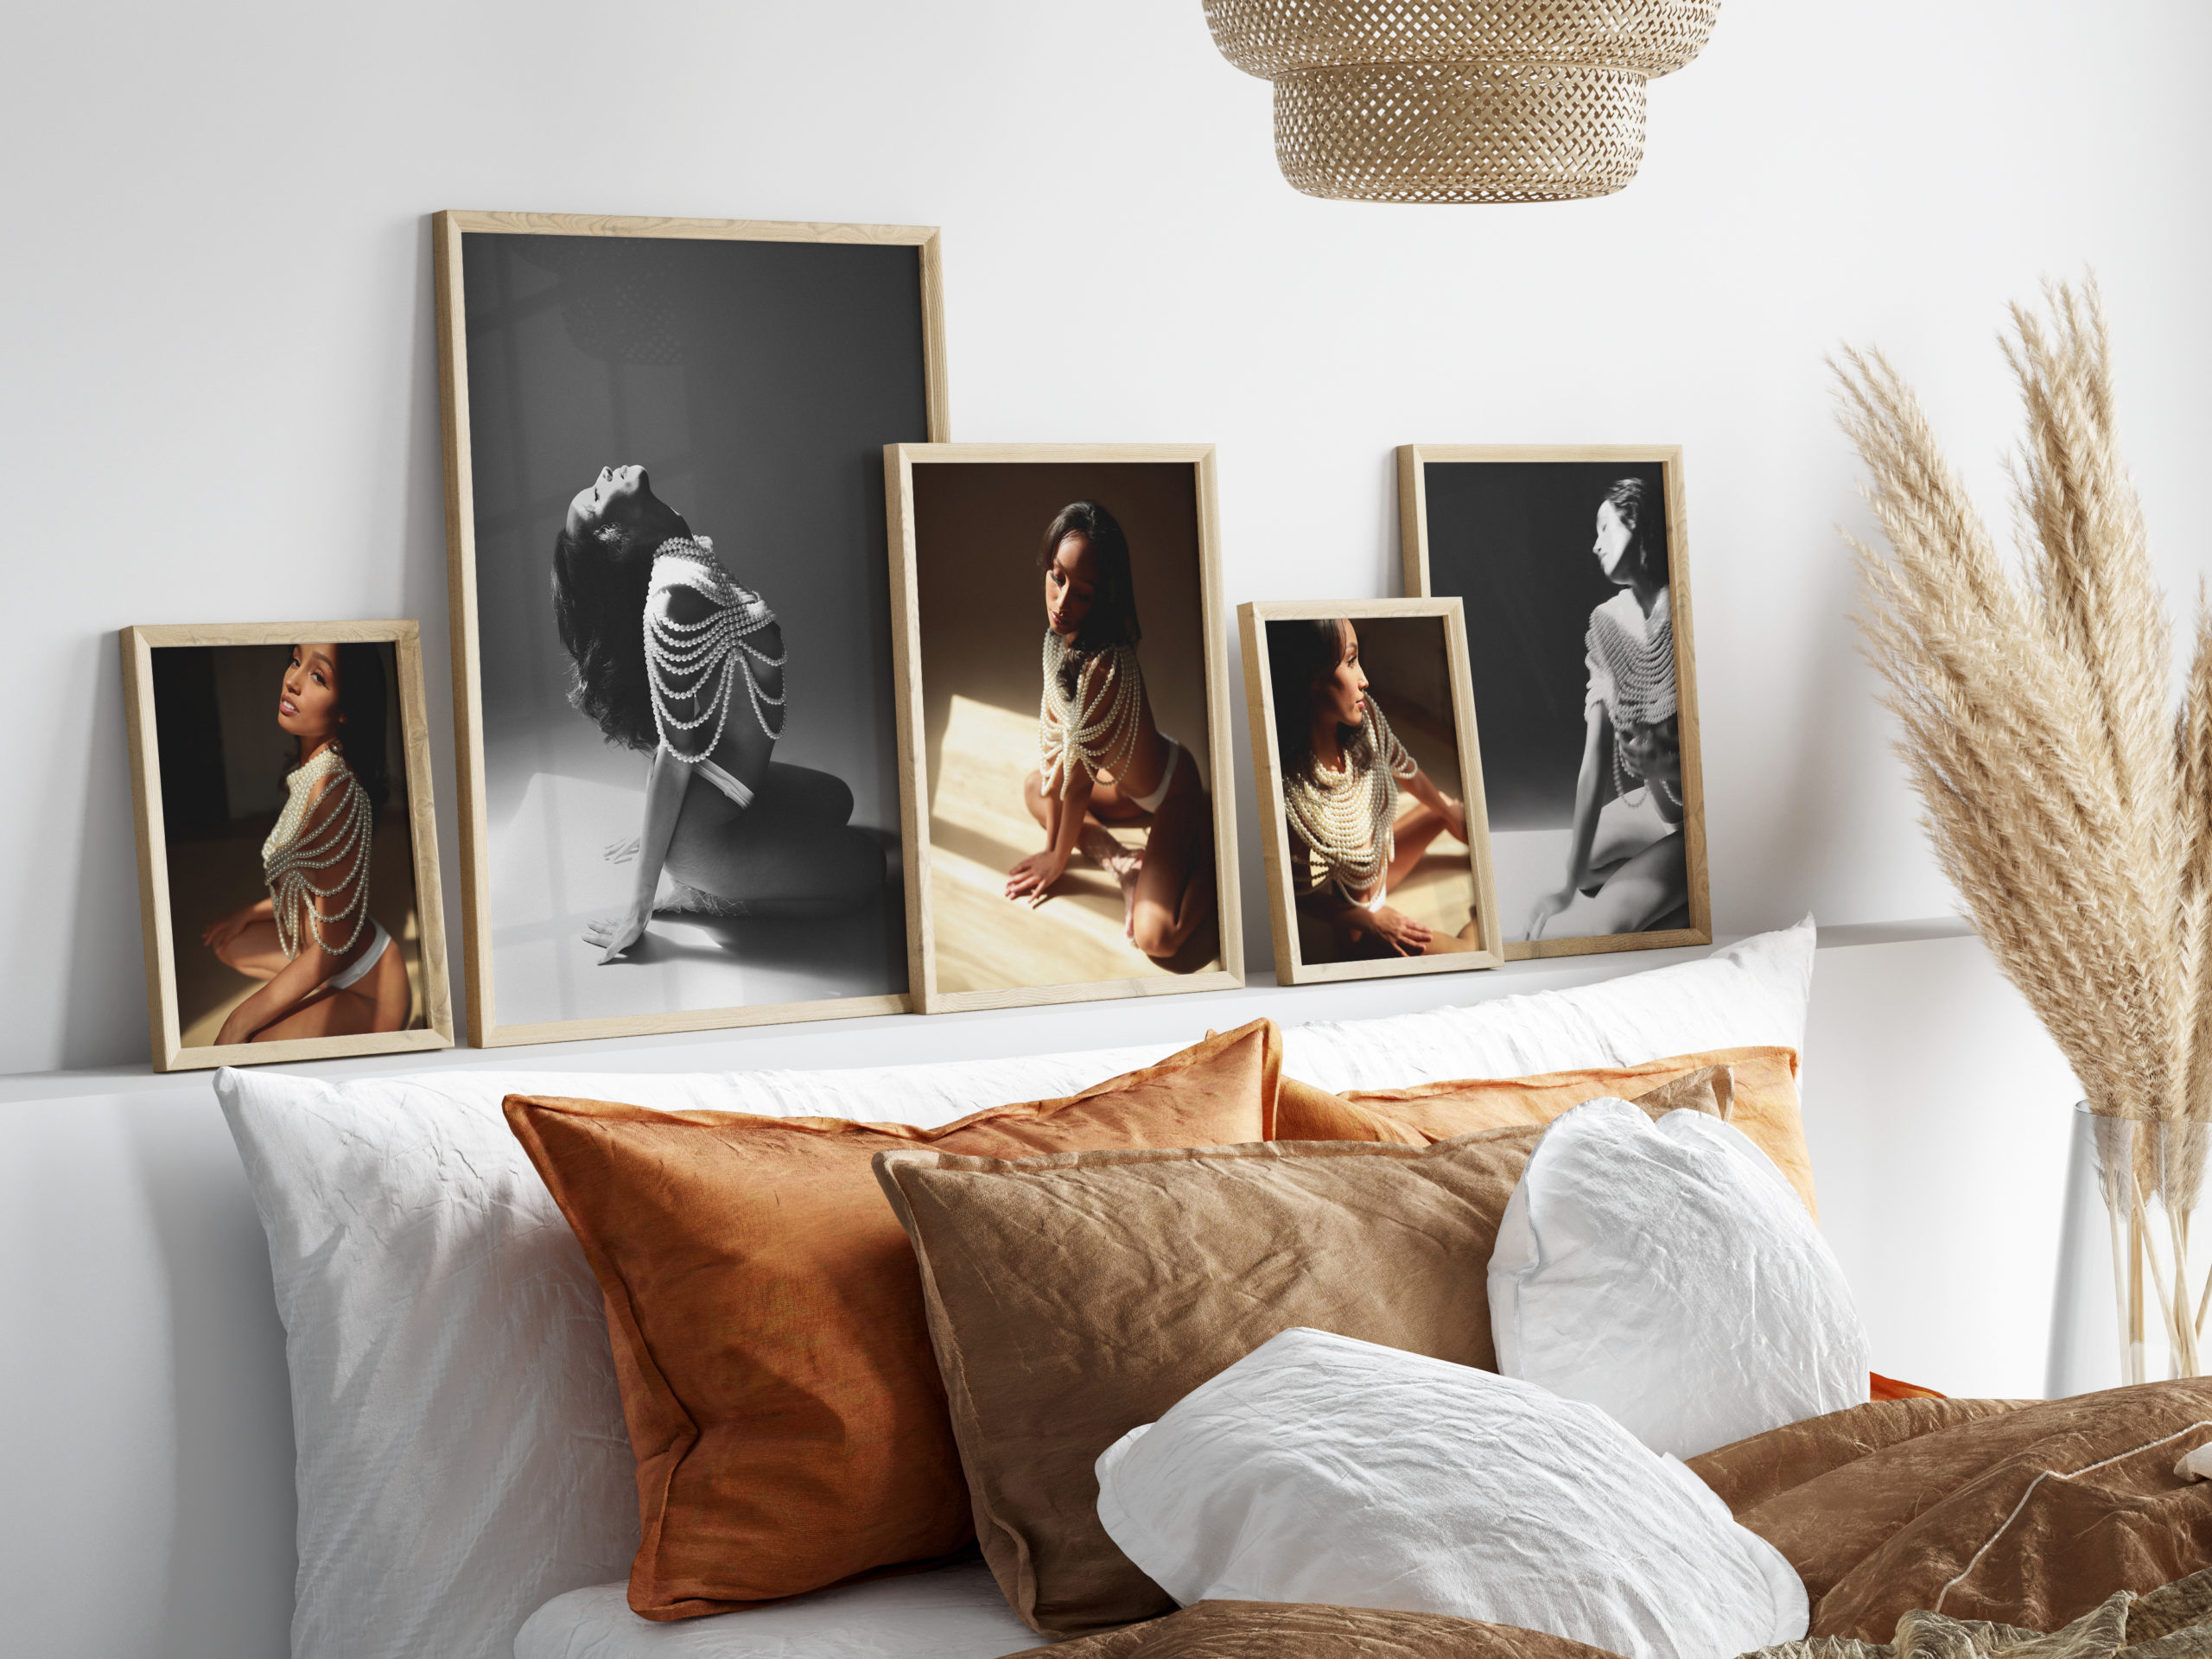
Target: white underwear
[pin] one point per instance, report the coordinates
(1151, 803)
(379, 942)
(723, 781)
(1375, 903)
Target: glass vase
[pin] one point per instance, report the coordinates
(2130, 1302)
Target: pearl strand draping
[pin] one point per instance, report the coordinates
(700, 662)
(1347, 816)
(1644, 688)
(1106, 739)
(323, 833)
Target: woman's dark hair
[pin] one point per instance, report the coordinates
(363, 695)
(1635, 501)
(1112, 618)
(1302, 653)
(599, 604)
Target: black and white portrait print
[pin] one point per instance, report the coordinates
(681, 617)
(1569, 571)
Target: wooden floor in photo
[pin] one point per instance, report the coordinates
(978, 831)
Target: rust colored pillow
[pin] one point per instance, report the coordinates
(1760, 1099)
(784, 1409)
(1162, 1268)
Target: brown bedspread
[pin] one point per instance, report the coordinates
(1949, 1527)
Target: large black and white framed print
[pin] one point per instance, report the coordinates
(1573, 565)
(672, 614)
(1062, 700)
(1370, 788)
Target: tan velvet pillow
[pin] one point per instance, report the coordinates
(767, 1318)
(1143, 1273)
(1760, 1099)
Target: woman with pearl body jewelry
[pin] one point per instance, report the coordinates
(1626, 849)
(1341, 768)
(663, 639)
(1102, 758)
(328, 967)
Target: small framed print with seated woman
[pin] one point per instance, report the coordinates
(287, 849)
(1371, 787)
(1573, 565)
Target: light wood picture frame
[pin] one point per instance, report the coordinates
(753, 370)
(210, 703)
(1414, 654)
(966, 525)
(1521, 533)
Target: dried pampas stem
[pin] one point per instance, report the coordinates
(2066, 804)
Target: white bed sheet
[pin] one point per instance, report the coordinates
(951, 1612)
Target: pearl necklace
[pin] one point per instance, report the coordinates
(1643, 673)
(338, 841)
(1348, 815)
(700, 662)
(1108, 740)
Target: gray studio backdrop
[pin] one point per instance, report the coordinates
(757, 382)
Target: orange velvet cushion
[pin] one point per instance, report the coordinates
(784, 1407)
(1763, 1106)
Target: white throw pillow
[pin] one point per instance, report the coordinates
(1321, 1468)
(1668, 1273)
(1750, 994)
(461, 1451)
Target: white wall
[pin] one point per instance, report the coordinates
(219, 403)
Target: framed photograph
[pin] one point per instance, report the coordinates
(1371, 786)
(1574, 567)
(672, 614)
(1063, 722)
(288, 854)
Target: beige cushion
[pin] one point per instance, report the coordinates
(1073, 1296)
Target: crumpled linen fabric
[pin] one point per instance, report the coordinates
(461, 1455)
(1320, 1469)
(1666, 1273)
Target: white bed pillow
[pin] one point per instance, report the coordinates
(1750, 994)
(1321, 1468)
(461, 1455)
(1668, 1273)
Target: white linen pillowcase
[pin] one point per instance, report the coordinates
(1322, 1469)
(1668, 1273)
(461, 1453)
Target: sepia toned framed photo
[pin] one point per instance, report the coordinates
(672, 614)
(1370, 778)
(288, 861)
(1574, 563)
(1064, 722)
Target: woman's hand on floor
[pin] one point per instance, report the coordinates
(1546, 907)
(1405, 935)
(220, 932)
(615, 934)
(621, 852)
(1032, 878)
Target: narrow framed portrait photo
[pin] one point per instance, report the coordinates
(1370, 779)
(1064, 722)
(672, 614)
(287, 860)
(1574, 567)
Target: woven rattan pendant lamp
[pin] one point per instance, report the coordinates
(1460, 100)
